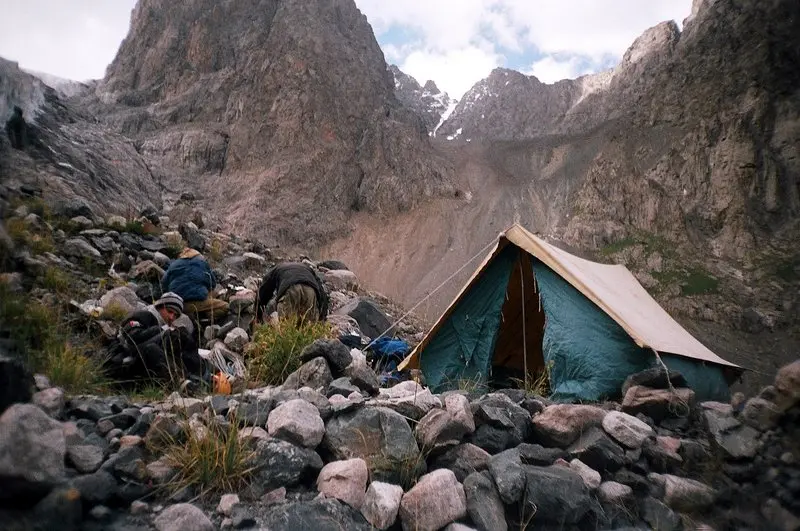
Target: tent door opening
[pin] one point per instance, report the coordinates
(519, 339)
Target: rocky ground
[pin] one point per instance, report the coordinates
(329, 448)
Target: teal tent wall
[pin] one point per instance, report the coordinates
(707, 380)
(464, 345)
(590, 355)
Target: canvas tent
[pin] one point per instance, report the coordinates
(531, 305)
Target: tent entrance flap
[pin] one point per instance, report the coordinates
(462, 347)
(522, 312)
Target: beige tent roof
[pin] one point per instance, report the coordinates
(613, 288)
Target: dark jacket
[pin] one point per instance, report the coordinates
(143, 335)
(142, 326)
(282, 277)
(190, 278)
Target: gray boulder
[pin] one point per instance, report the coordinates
(556, 494)
(508, 474)
(183, 517)
(80, 248)
(561, 424)
(282, 464)
(654, 378)
(315, 374)
(32, 450)
(436, 500)
(484, 505)
(318, 515)
(298, 422)
(463, 460)
(381, 504)
(381, 437)
(371, 320)
(334, 351)
(16, 383)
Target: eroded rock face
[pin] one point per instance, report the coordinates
(324, 100)
(73, 159)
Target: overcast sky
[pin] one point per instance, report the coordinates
(453, 42)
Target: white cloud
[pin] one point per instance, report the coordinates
(454, 71)
(76, 41)
(591, 27)
(543, 32)
(550, 69)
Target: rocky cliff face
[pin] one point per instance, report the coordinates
(280, 116)
(71, 158)
(428, 102)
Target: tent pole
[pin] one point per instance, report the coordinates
(524, 325)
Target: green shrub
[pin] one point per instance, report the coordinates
(135, 227)
(788, 269)
(114, 312)
(214, 253)
(35, 205)
(54, 279)
(537, 385)
(149, 391)
(275, 350)
(617, 246)
(214, 460)
(18, 231)
(20, 234)
(68, 367)
(37, 331)
(699, 282)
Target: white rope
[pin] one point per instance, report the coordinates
(672, 390)
(426, 297)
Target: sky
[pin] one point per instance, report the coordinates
(453, 42)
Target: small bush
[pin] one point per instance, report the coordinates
(617, 246)
(275, 350)
(20, 234)
(18, 231)
(475, 384)
(41, 243)
(788, 269)
(67, 226)
(68, 367)
(699, 282)
(135, 227)
(538, 385)
(114, 312)
(215, 250)
(213, 460)
(149, 391)
(35, 205)
(37, 332)
(401, 471)
(172, 251)
(54, 279)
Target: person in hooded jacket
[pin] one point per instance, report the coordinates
(150, 345)
(191, 277)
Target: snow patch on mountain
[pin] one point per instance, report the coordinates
(65, 87)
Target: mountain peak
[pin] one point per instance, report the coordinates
(259, 93)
